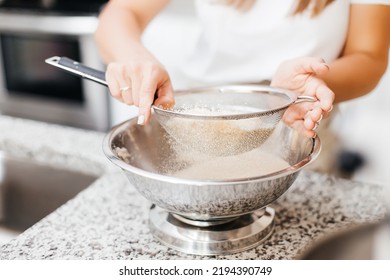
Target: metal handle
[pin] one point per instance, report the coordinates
(305, 98)
(78, 69)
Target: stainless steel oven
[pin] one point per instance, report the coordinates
(30, 88)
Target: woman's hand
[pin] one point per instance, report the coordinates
(301, 76)
(133, 75)
(138, 82)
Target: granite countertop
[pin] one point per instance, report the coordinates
(109, 219)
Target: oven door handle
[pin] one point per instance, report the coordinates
(78, 69)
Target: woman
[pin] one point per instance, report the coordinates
(245, 41)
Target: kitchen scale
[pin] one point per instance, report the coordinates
(211, 237)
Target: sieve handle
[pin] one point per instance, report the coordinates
(305, 98)
(78, 69)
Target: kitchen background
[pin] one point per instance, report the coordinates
(34, 30)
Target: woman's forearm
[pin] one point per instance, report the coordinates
(118, 32)
(355, 75)
(121, 24)
(365, 55)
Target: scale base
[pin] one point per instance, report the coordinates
(243, 233)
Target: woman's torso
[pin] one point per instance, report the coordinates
(248, 47)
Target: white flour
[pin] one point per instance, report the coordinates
(251, 164)
(218, 137)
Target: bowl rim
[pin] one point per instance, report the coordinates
(107, 149)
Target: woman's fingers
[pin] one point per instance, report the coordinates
(155, 81)
(119, 83)
(308, 65)
(303, 76)
(326, 97)
(305, 117)
(125, 87)
(146, 95)
(113, 83)
(313, 118)
(137, 84)
(297, 112)
(301, 128)
(165, 97)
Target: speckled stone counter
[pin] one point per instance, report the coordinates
(109, 220)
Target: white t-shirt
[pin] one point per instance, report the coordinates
(248, 47)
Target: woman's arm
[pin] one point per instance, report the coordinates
(365, 55)
(121, 24)
(133, 74)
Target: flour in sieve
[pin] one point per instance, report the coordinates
(204, 110)
(217, 137)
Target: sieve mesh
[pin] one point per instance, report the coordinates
(225, 121)
(217, 137)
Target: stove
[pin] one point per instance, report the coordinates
(54, 6)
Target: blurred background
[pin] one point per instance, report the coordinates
(33, 30)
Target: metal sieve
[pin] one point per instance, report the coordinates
(226, 120)
(216, 121)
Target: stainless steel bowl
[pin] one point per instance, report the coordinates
(148, 151)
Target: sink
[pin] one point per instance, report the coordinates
(29, 191)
